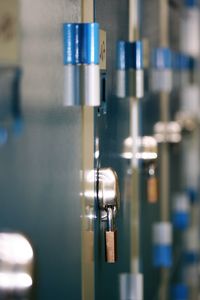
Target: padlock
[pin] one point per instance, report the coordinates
(110, 238)
(108, 199)
(152, 184)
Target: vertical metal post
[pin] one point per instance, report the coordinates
(164, 147)
(164, 114)
(134, 131)
(87, 166)
(134, 20)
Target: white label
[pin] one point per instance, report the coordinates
(190, 32)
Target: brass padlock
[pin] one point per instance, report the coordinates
(148, 152)
(108, 197)
(110, 238)
(152, 185)
(111, 246)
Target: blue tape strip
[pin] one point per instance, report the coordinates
(192, 194)
(162, 58)
(180, 292)
(180, 220)
(175, 61)
(135, 55)
(129, 55)
(184, 62)
(91, 43)
(81, 43)
(191, 257)
(138, 53)
(69, 43)
(121, 55)
(191, 3)
(162, 256)
(78, 43)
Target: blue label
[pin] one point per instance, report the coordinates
(81, 43)
(78, 43)
(135, 55)
(121, 55)
(69, 43)
(191, 3)
(91, 43)
(191, 257)
(175, 61)
(162, 58)
(180, 220)
(162, 256)
(129, 55)
(138, 53)
(181, 61)
(180, 292)
(192, 194)
(184, 62)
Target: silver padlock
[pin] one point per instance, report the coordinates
(152, 184)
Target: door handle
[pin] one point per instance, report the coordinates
(109, 201)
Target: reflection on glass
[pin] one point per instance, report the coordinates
(16, 262)
(88, 216)
(131, 286)
(15, 281)
(15, 249)
(147, 148)
(167, 132)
